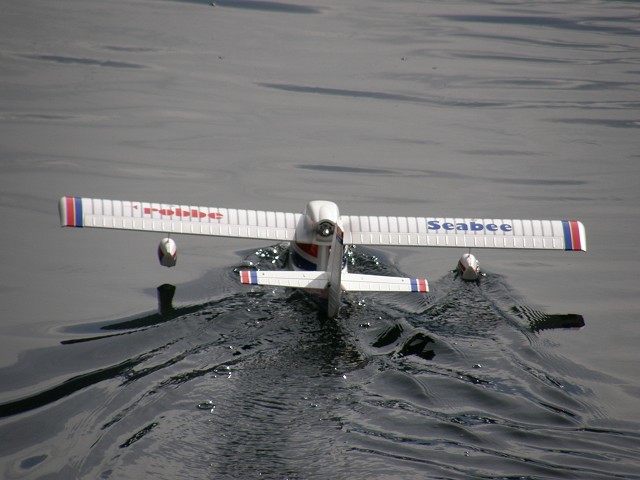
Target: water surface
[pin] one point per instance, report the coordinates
(485, 109)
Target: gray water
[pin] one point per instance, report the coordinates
(467, 109)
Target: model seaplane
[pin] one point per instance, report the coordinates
(318, 238)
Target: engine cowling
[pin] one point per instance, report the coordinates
(468, 267)
(167, 252)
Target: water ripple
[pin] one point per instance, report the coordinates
(605, 25)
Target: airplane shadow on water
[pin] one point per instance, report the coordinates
(257, 382)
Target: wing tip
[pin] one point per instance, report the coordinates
(70, 210)
(575, 238)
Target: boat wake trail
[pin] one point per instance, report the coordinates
(462, 383)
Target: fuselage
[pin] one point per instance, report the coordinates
(318, 246)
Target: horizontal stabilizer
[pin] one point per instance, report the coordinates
(355, 282)
(285, 278)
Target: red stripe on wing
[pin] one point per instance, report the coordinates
(71, 211)
(575, 235)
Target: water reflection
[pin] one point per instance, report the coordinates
(166, 311)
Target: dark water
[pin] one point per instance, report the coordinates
(458, 384)
(498, 109)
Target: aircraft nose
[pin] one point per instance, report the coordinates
(469, 267)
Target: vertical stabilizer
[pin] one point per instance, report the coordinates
(335, 273)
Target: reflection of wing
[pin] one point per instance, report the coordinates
(155, 217)
(464, 232)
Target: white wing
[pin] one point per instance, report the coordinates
(155, 217)
(464, 232)
(363, 230)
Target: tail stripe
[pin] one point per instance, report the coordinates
(418, 285)
(249, 277)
